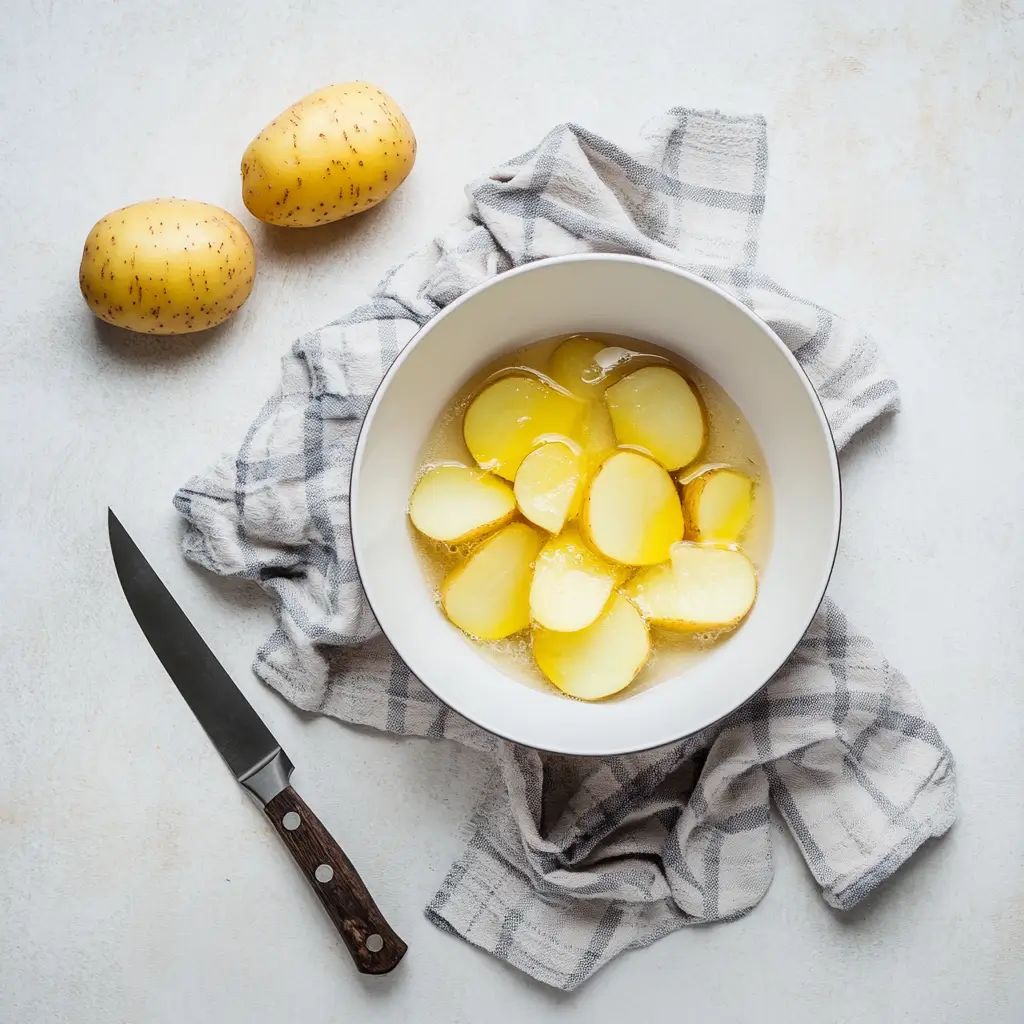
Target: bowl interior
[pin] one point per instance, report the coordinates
(669, 308)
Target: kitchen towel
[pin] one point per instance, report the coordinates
(570, 861)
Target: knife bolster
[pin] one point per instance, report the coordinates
(269, 777)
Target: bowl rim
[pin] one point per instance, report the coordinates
(533, 265)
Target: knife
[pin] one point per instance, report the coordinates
(254, 757)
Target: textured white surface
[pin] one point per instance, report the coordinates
(137, 882)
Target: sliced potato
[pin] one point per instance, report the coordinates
(574, 365)
(597, 661)
(571, 584)
(718, 505)
(489, 596)
(505, 421)
(458, 503)
(703, 588)
(598, 434)
(549, 483)
(632, 512)
(656, 408)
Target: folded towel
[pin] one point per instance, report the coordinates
(572, 860)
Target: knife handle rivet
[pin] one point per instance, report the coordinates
(291, 821)
(324, 873)
(374, 943)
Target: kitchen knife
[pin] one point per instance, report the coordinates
(254, 757)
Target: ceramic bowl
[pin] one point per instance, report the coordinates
(659, 304)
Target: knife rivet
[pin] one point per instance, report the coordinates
(324, 873)
(374, 943)
(291, 821)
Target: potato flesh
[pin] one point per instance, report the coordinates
(592, 587)
(167, 266)
(702, 588)
(455, 504)
(718, 506)
(574, 365)
(632, 512)
(656, 409)
(599, 660)
(509, 417)
(598, 434)
(571, 585)
(334, 153)
(548, 485)
(489, 596)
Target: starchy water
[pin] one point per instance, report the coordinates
(731, 443)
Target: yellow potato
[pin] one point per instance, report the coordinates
(655, 408)
(507, 420)
(489, 596)
(718, 506)
(571, 584)
(597, 661)
(574, 365)
(703, 588)
(549, 485)
(632, 513)
(457, 503)
(167, 266)
(598, 435)
(336, 152)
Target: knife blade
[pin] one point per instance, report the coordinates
(254, 757)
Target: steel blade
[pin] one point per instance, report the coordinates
(236, 730)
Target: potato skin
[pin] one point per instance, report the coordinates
(336, 152)
(167, 266)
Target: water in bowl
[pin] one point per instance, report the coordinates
(731, 442)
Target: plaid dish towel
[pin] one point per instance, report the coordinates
(570, 861)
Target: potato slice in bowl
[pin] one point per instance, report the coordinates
(455, 504)
(574, 365)
(657, 409)
(718, 505)
(489, 596)
(549, 485)
(506, 420)
(703, 588)
(571, 584)
(598, 433)
(597, 661)
(632, 512)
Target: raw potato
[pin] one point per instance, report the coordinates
(632, 513)
(336, 152)
(504, 423)
(597, 661)
(704, 588)
(598, 435)
(549, 485)
(655, 408)
(571, 584)
(718, 506)
(167, 266)
(573, 365)
(489, 596)
(457, 503)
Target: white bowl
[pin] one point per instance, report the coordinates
(668, 307)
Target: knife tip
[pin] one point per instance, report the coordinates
(113, 523)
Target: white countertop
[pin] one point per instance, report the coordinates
(138, 883)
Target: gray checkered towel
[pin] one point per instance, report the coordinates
(572, 860)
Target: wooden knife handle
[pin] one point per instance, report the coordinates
(374, 946)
